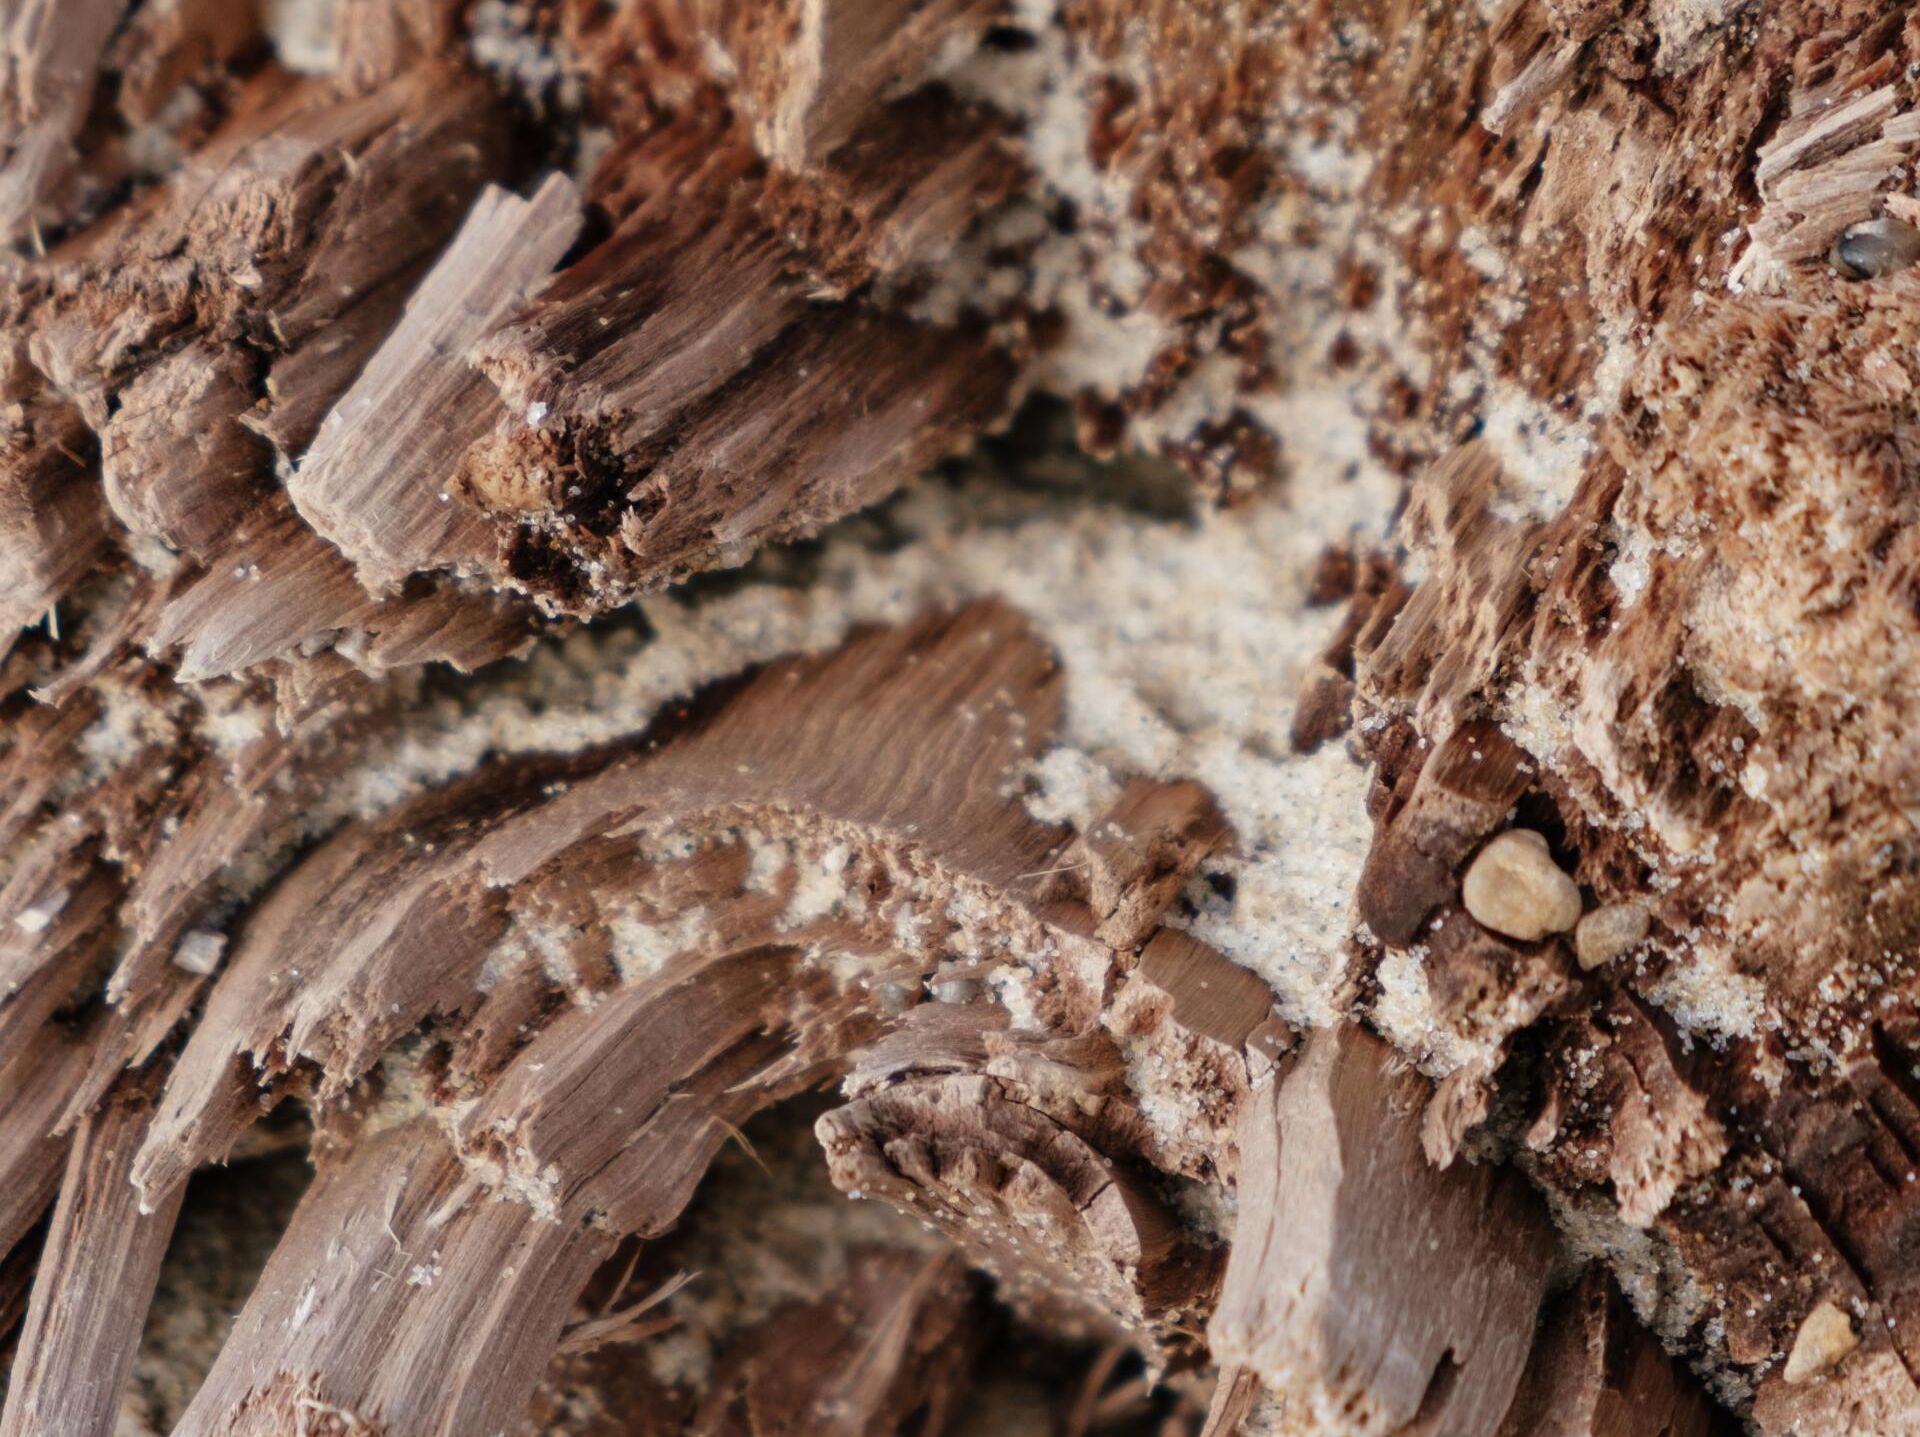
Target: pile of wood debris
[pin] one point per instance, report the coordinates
(1246, 666)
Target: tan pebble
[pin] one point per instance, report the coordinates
(1607, 932)
(1823, 1342)
(1514, 887)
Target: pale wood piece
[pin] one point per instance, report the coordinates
(95, 1279)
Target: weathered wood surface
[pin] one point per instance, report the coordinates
(358, 376)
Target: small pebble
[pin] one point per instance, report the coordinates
(1607, 932)
(199, 951)
(1514, 887)
(1823, 1342)
(958, 990)
(1875, 248)
(33, 920)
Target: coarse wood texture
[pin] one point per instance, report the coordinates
(96, 1276)
(493, 710)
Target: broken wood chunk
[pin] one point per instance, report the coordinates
(1624, 1107)
(726, 1020)
(49, 55)
(1460, 1103)
(1375, 593)
(1134, 859)
(1066, 1230)
(1773, 1259)
(1595, 1372)
(1846, 1144)
(276, 589)
(303, 384)
(38, 1079)
(743, 1005)
(1485, 988)
(411, 185)
(52, 520)
(1324, 710)
(1211, 995)
(378, 1236)
(379, 39)
(895, 196)
(224, 241)
(1367, 1285)
(166, 43)
(1463, 792)
(1399, 887)
(174, 460)
(378, 480)
(670, 402)
(55, 927)
(95, 1278)
(1233, 1400)
(817, 67)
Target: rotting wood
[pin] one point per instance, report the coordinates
(1380, 1294)
(893, 1343)
(1620, 291)
(94, 1280)
(49, 54)
(375, 482)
